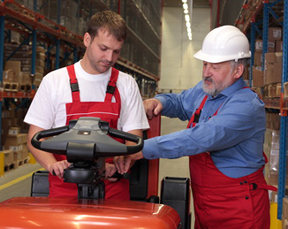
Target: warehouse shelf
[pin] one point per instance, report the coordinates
(36, 21)
(262, 12)
(46, 27)
(16, 95)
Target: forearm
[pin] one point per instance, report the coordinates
(172, 106)
(129, 143)
(45, 159)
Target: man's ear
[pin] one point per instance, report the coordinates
(86, 39)
(239, 70)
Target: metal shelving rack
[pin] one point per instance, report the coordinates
(267, 11)
(284, 119)
(267, 8)
(38, 28)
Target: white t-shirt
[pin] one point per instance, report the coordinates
(48, 110)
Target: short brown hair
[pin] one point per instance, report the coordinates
(110, 21)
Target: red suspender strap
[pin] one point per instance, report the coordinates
(73, 83)
(111, 85)
(195, 117)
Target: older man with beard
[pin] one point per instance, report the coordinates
(224, 137)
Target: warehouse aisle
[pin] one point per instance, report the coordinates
(17, 183)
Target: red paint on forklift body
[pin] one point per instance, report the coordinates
(45, 212)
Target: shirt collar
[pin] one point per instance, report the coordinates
(239, 84)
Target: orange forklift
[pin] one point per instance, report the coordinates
(86, 142)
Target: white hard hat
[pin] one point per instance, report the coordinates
(223, 44)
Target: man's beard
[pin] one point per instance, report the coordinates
(210, 91)
(216, 88)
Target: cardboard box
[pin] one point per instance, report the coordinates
(26, 78)
(258, 78)
(258, 46)
(277, 73)
(270, 58)
(278, 46)
(268, 73)
(15, 141)
(271, 46)
(14, 131)
(274, 33)
(8, 156)
(13, 64)
(8, 75)
(279, 57)
(25, 151)
(258, 59)
(18, 154)
(6, 124)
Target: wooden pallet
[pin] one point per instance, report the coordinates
(25, 87)
(9, 167)
(10, 86)
(19, 163)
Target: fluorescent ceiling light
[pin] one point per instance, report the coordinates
(187, 18)
(185, 6)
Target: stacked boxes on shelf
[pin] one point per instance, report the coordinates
(271, 149)
(13, 142)
(17, 70)
(8, 119)
(273, 67)
(258, 75)
(273, 59)
(17, 142)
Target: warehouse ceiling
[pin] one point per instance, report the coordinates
(178, 3)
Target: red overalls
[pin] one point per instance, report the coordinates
(106, 111)
(224, 202)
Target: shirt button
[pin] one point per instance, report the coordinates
(241, 183)
(245, 181)
(247, 197)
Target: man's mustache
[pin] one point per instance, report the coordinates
(208, 79)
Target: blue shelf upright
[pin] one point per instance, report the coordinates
(283, 127)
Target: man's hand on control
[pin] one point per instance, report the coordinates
(123, 163)
(58, 167)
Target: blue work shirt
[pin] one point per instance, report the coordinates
(234, 137)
